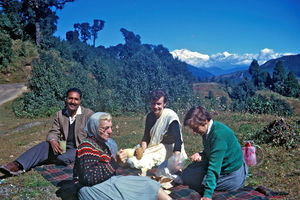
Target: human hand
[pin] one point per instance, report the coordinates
(196, 157)
(177, 163)
(56, 147)
(205, 198)
(121, 156)
(144, 146)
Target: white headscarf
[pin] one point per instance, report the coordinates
(92, 130)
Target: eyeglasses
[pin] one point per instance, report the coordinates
(105, 128)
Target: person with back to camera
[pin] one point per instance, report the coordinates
(220, 166)
(162, 135)
(97, 159)
(68, 125)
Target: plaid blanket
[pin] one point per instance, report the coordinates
(62, 177)
(56, 174)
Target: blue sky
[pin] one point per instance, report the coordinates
(207, 27)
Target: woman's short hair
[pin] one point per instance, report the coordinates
(197, 115)
(105, 116)
(157, 94)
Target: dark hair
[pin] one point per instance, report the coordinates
(197, 115)
(157, 94)
(74, 90)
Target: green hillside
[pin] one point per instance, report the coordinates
(118, 80)
(291, 63)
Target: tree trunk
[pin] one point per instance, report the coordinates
(37, 33)
(94, 40)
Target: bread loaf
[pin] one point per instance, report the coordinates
(139, 153)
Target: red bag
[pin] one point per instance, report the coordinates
(249, 154)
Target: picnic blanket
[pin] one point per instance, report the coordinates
(62, 177)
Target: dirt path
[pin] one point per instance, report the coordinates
(9, 92)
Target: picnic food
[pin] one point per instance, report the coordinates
(139, 153)
(129, 152)
(144, 171)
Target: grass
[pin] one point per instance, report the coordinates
(279, 170)
(202, 89)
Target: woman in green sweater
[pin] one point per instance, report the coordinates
(221, 165)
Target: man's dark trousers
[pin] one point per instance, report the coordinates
(43, 152)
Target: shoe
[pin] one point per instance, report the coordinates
(11, 168)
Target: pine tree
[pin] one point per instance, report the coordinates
(279, 76)
(257, 74)
(291, 86)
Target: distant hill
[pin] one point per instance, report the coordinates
(235, 77)
(199, 72)
(217, 71)
(291, 62)
(209, 72)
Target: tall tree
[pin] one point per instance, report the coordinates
(84, 29)
(97, 26)
(72, 35)
(291, 86)
(254, 67)
(11, 18)
(279, 76)
(132, 42)
(41, 9)
(256, 73)
(268, 82)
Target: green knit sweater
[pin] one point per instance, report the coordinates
(223, 153)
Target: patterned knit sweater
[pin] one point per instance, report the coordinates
(94, 163)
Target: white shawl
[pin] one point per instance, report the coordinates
(160, 128)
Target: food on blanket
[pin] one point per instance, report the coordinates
(166, 185)
(139, 153)
(164, 179)
(129, 152)
(165, 182)
(144, 171)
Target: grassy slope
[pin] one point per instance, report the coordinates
(279, 170)
(19, 68)
(202, 89)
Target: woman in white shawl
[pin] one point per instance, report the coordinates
(162, 137)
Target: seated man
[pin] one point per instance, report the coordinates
(162, 137)
(68, 125)
(221, 165)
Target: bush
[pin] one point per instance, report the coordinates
(281, 107)
(279, 133)
(46, 88)
(6, 52)
(260, 104)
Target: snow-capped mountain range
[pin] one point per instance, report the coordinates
(225, 60)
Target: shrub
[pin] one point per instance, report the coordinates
(279, 133)
(260, 104)
(47, 88)
(5, 52)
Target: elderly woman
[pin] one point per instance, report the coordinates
(221, 165)
(97, 160)
(162, 136)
